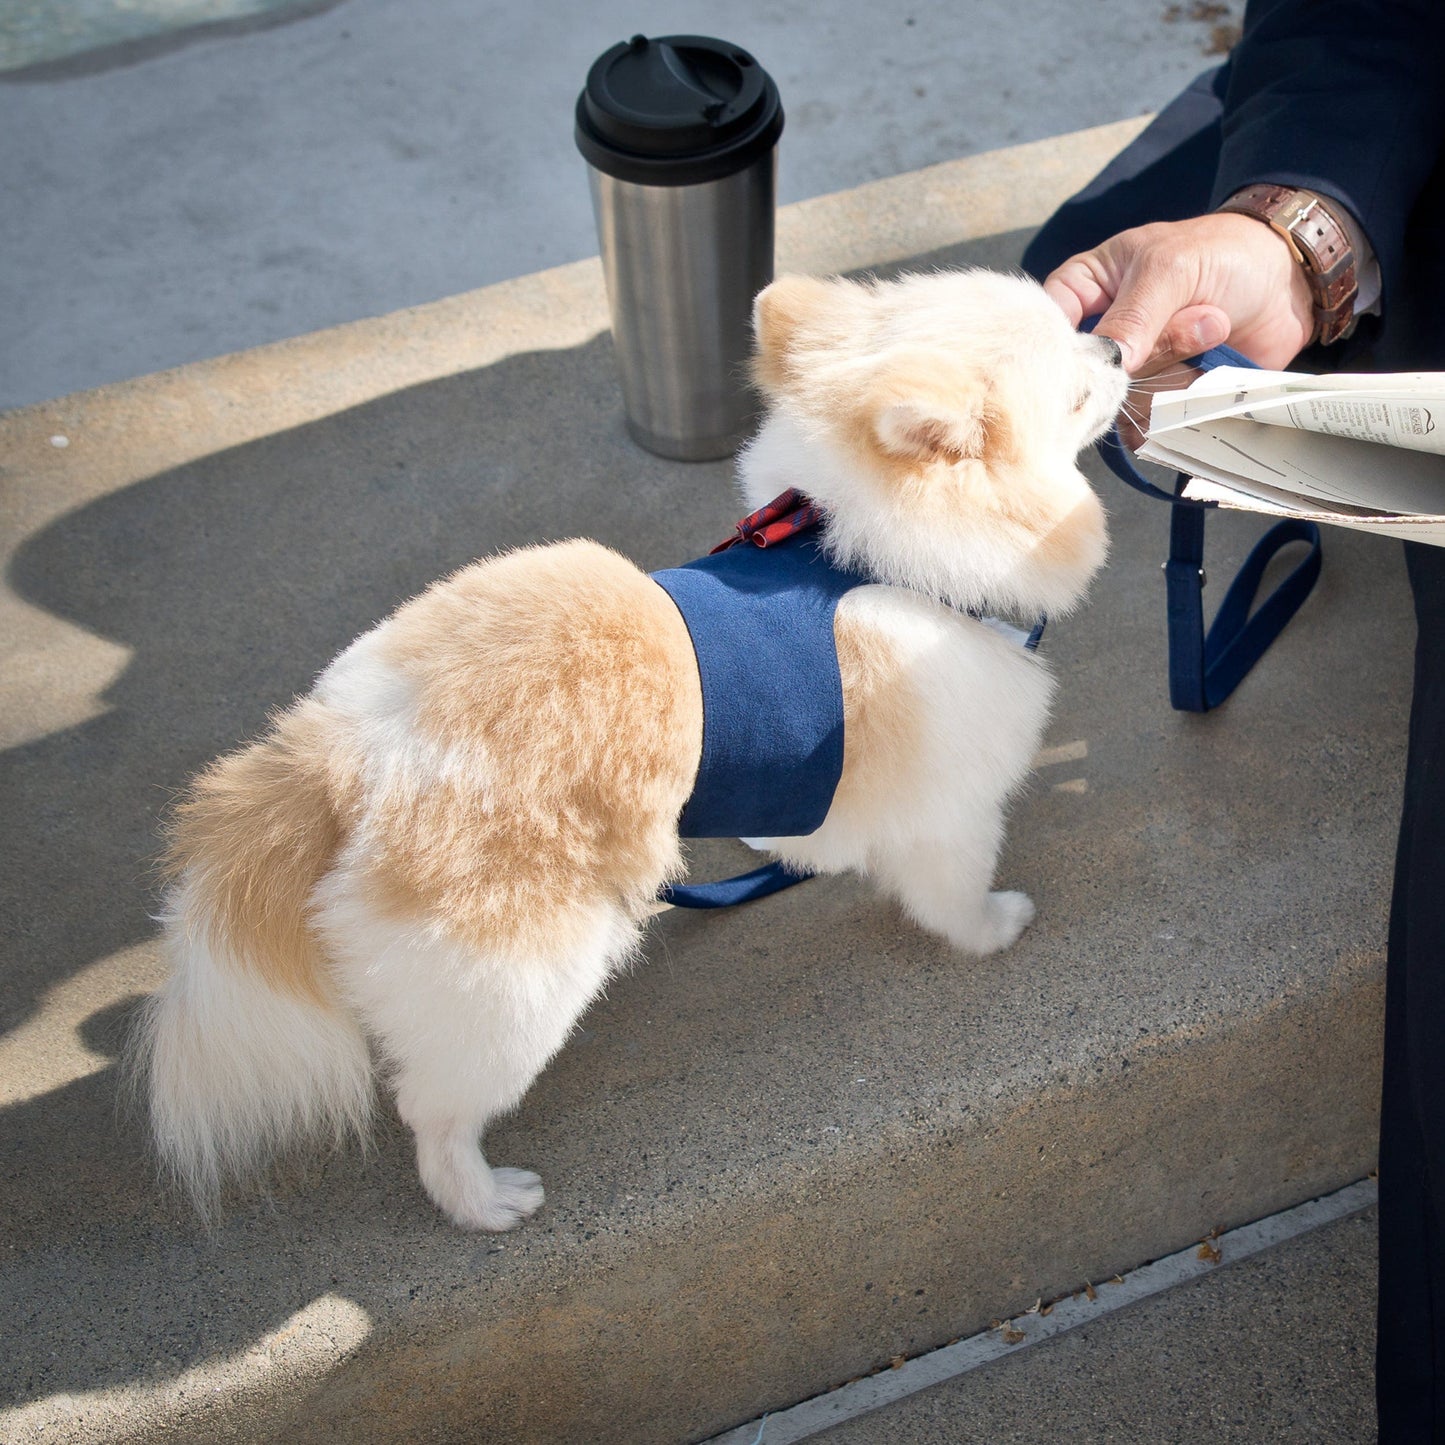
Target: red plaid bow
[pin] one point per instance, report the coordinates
(776, 522)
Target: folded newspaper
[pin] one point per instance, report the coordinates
(1357, 451)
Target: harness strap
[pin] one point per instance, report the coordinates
(1205, 667)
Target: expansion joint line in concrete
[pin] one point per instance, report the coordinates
(1087, 1306)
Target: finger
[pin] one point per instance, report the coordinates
(1076, 288)
(1133, 419)
(1065, 298)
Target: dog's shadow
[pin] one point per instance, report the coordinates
(232, 581)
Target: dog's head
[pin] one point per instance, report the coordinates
(937, 420)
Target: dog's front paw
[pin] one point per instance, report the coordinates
(1004, 916)
(1010, 914)
(519, 1195)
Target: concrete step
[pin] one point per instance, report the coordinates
(802, 1139)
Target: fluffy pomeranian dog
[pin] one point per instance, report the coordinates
(434, 861)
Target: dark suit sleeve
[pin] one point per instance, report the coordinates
(1346, 97)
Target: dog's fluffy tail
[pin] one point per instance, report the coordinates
(246, 1051)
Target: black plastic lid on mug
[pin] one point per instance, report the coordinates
(676, 111)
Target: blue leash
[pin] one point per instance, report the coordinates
(1205, 667)
(770, 878)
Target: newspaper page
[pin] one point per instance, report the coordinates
(1353, 450)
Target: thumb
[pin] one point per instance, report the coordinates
(1192, 330)
(1186, 333)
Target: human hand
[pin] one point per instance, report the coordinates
(1171, 290)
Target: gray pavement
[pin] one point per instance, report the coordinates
(164, 205)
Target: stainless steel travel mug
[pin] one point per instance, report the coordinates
(680, 135)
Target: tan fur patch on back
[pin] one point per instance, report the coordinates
(565, 679)
(255, 833)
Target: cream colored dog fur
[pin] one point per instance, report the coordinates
(433, 862)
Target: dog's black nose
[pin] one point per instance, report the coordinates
(1116, 352)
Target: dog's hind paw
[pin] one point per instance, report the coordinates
(467, 1190)
(515, 1194)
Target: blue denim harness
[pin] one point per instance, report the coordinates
(760, 615)
(761, 623)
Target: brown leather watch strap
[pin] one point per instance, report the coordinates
(1319, 243)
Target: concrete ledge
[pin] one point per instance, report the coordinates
(802, 1138)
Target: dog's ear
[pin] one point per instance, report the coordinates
(781, 313)
(924, 412)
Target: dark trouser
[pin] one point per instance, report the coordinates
(1166, 175)
(1410, 1349)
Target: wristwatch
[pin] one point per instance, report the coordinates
(1318, 240)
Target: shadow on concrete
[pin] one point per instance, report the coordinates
(234, 580)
